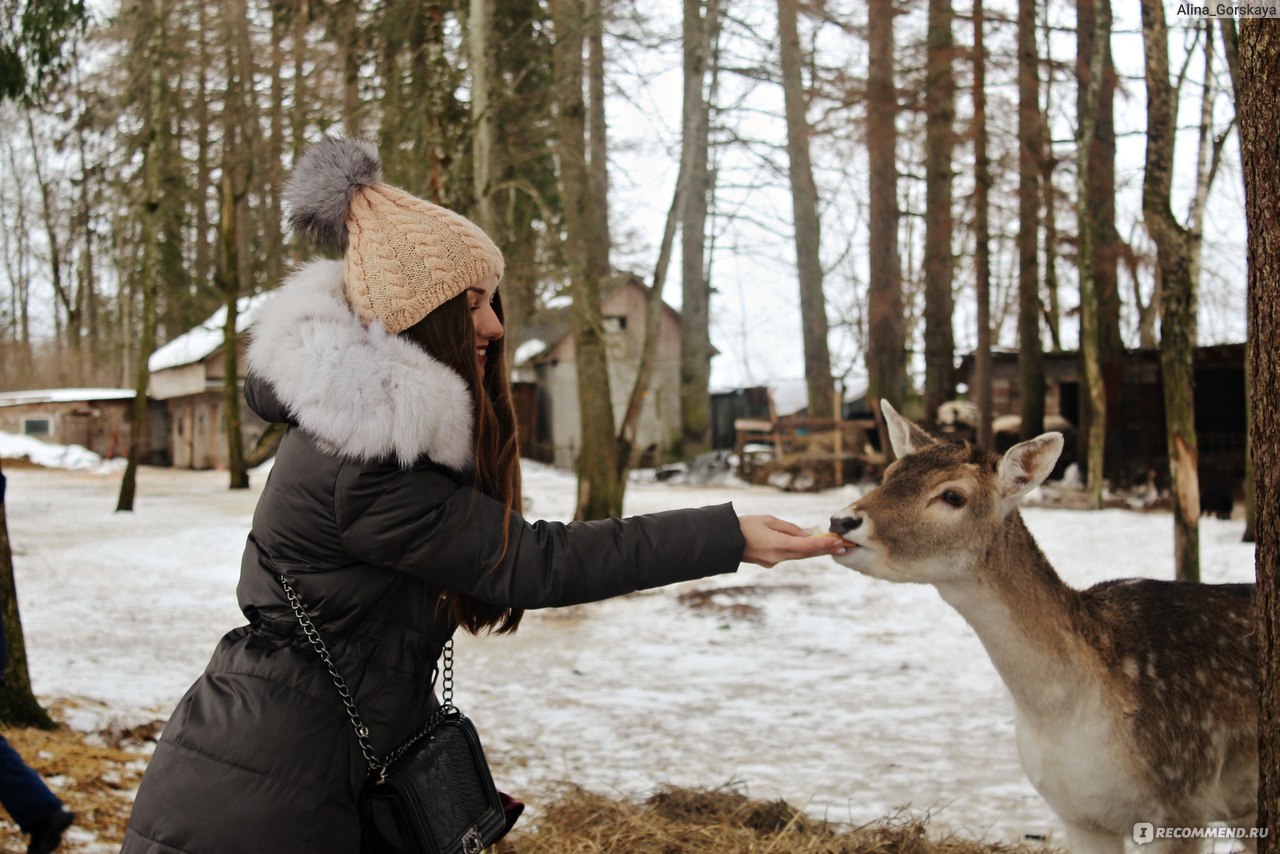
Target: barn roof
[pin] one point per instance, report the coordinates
(197, 344)
(63, 395)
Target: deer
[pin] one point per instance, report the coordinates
(1135, 699)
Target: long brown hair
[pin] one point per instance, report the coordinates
(449, 335)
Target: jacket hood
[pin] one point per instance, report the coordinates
(360, 392)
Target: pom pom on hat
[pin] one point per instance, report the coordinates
(325, 180)
(402, 256)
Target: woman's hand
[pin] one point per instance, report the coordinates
(770, 541)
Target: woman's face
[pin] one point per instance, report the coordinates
(488, 328)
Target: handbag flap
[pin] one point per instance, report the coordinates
(444, 783)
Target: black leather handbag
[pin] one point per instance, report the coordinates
(431, 795)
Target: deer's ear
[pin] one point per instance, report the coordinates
(1025, 466)
(904, 436)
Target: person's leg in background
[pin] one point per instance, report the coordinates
(28, 800)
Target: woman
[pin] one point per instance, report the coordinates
(393, 510)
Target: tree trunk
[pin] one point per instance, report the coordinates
(886, 337)
(699, 35)
(1176, 299)
(1030, 346)
(204, 256)
(600, 490)
(1231, 47)
(1259, 56)
(61, 293)
(480, 40)
(348, 44)
(804, 202)
(1090, 332)
(272, 233)
(301, 97)
(1106, 242)
(598, 163)
(148, 275)
(940, 111)
(982, 381)
(1048, 165)
(695, 324)
(229, 264)
(18, 706)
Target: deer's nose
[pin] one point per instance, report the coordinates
(844, 524)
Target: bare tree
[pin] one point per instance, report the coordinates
(1231, 47)
(1177, 303)
(597, 136)
(1030, 346)
(940, 110)
(148, 273)
(804, 202)
(18, 706)
(1259, 110)
(886, 337)
(1090, 332)
(700, 21)
(982, 380)
(481, 56)
(600, 489)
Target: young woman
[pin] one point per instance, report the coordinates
(393, 509)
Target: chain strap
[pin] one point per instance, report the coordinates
(377, 766)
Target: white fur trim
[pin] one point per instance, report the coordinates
(363, 393)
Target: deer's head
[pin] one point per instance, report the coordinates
(940, 504)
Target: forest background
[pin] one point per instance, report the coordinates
(897, 182)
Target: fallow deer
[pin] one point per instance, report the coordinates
(1135, 700)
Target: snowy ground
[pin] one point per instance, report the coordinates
(850, 696)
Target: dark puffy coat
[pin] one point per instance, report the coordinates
(369, 511)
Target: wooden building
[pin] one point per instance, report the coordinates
(545, 377)
(1136, 442)
(95, 418)
(187, 377)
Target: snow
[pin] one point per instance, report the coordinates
(63, 395)
(196, 344)
(528, 350)
(72, 457)
(850, 696)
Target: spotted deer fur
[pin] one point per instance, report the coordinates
(1135, 700)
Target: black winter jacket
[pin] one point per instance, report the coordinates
(369, 512)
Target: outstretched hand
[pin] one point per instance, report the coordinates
(771, 540)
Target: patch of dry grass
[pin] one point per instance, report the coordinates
(97, 773)
(720, 821)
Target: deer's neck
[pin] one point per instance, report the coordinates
(1022, 612)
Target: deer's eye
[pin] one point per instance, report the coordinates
(954, 498)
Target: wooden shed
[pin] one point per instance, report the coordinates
(95, 418)
(187, 377)
(545, 376)
(1136, 441)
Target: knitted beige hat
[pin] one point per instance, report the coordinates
(402, 256)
